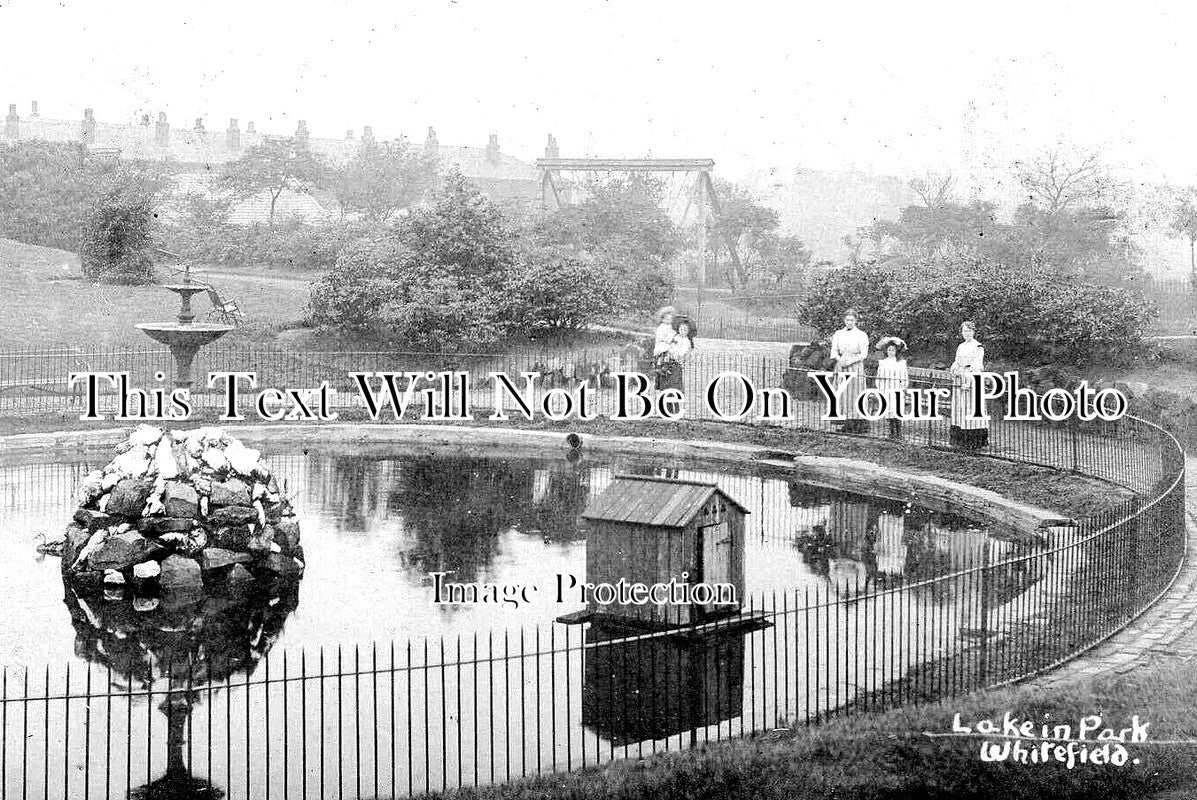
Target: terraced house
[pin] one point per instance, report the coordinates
(197, 153)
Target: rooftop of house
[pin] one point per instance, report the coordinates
(198, 145)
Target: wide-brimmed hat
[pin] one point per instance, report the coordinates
(678, 319)
(886, 341)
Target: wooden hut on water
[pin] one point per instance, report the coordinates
(648, 530)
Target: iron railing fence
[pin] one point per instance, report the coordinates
(35, 383)
(422, 715)
(409, 717)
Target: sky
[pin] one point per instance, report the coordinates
(898, 88)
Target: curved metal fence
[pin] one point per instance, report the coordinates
(412, 716)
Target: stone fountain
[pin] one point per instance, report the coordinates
(185, 336)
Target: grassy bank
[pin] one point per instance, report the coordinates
(887, 756)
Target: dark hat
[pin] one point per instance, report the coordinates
(678, 319)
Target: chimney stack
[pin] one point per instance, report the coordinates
(430, 141)
(12, 123)
(249, 130)
(550, 149)
(89, 126)
(199, 124)
(301, 133)
(34, 113)
(232, 137)
(492, 150)
(368, 135)
(162, 131)
(349, 135)
(145, 120)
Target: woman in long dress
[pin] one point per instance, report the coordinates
(849, 347)
(893, 377)
(968, 432)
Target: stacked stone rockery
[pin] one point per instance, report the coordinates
(177, 512)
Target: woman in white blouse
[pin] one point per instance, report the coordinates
(892, 377)
(849, 347)
(967, 431)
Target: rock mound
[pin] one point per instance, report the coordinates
(177, 513)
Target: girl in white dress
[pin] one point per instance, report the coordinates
(680, 347)
(665, 331)
(892, 376)
(849, 347)
(967, 431)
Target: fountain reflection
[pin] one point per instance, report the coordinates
(178, 650)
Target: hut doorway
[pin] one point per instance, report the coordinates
(717, 543)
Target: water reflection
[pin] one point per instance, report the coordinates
(374, 527)
(651, 689)
(176, 650)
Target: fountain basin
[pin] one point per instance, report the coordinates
(176, 334)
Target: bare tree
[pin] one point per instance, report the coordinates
(934, 188)
(1054, 182)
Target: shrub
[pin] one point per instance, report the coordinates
(455, 276)
(554, 288)
(117, 237)
(292, 245)
(1040, 321)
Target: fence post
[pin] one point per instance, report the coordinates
(983, 671)
(1074, 435)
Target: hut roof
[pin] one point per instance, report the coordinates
(647, 500)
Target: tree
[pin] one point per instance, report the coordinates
(622, 227)
(454, 275)
(1184, 223)
(939, 231)
(274, 166)
(1066, 228)
(1054, 182)
(934, 189)
(49, 189)
(439, 279)
(385, 177)
(746, 225)
(120, 227)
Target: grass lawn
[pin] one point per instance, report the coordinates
(58, 308)
(55, 307)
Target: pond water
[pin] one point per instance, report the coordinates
(374, 529)
(439, 695)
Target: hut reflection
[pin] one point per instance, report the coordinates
(652, 688)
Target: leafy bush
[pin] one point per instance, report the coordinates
(456, 276)
(554, 288)
(869, 290)
(117, 237)
(291, 245)
(622, 227)
(1018, 319)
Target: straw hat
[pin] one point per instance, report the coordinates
(886, 341)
